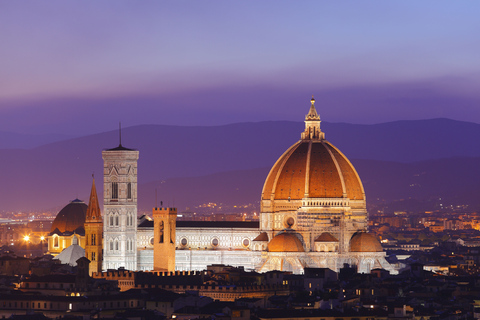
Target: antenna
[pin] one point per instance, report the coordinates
(120, 132)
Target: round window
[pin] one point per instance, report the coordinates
(151, 241)
(290, 222)
(215, 242)
(183, 242)
(246, 242)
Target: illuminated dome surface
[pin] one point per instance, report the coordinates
(312, 169)
(365, 242)
(285, 242)
(71, 217)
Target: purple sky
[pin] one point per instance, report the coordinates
(78, 67)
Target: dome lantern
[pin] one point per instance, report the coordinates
(312, 124)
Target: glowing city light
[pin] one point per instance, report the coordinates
(26, 238)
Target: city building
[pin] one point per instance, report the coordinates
(313, 215)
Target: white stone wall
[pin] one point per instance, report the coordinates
(120, 209)
(200, 259)
(220, 239)
(233, 247)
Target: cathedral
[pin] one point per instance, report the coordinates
(313, 214)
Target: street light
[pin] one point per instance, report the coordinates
(26, 238)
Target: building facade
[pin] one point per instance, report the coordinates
(313, 214)
(120, 208)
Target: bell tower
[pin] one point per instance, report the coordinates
(164, 225)
(94, 233)
(120, 208)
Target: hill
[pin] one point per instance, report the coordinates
(47, 176)
(398, 186)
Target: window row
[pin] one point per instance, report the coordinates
(115, 245)
(114, 220)
(215, 242)
(115, 190)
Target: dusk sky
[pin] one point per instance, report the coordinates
(80, 67)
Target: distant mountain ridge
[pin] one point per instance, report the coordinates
(440, 183)
(50, 175)
(12, 140)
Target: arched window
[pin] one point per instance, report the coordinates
(55, 242)
(116, 220)
(129, 190)
(111, 220)
(116, 244)
(114, 190)
(111, 245)
(94, 238)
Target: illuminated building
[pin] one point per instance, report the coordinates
(313, 214)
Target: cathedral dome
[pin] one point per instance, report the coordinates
(71, 217)
(285, 242)
(312, 169)
(365, 242)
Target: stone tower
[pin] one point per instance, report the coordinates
(164, 224)
(120, 208)
(93, 233)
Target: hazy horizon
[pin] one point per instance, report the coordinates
(68, 67)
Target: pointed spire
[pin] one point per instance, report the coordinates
(312, 124)
(93, 210)
(312, 113)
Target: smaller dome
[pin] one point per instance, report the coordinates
(326, 237)
(365, 242)
(71, 217)
(285, 242)
(261, 237)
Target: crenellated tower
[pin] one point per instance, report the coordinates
(94, 232)
(120, 208)
(164, 224)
